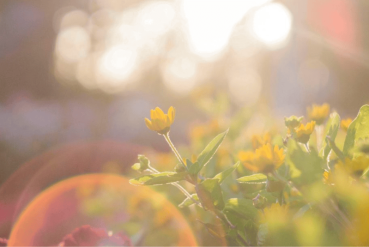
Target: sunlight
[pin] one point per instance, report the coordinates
(210, 23)
(272, 24)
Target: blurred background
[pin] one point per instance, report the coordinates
(91, 70)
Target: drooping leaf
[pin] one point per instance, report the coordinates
(210, 194)
(158, 178)
(331, 130)
(224, 174)
(307, 167)
(208, 152)
(188, 201)
(358, 129)
(241, 207)
(253, 179)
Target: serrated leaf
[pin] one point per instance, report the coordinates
(209, 152)
(159, 178)
(242, 207)
(224, 174)
(331, 130)
(358, 129)
(210, 194)
(253, 179)
(188, 201)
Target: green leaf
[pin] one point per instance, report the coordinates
(302, 211)
(215, 230)
(244, 208)
(358, 129)
(188, 202)
(307, 167)
(209, 152)
(224, 174)
(158, 178)
(210, 194)
(262, 234)
(253, 179)
(331, 130)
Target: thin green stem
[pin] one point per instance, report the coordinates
(170, 143)
(176, 184)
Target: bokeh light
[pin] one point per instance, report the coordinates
(272, 24)
(179, 74)
(72, 44)
(115, 67)
(156, 17)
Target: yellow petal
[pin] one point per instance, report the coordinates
(159, 113)
(171, 114)
(152, 114)
(148, 124)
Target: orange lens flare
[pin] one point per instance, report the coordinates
(100, 200)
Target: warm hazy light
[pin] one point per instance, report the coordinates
(210, 22)
(72, 44)
(245, 86)
(179, 74)
(272, 24)
(115, 67)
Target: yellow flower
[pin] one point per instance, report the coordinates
(327, 177)
(292, 122)
(345, 123)
(318, 113)
(265, 159)
(259, 140)
(303, 132)
(355, 167)
(161, 122)
(275, 214)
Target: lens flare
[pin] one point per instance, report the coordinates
(103, 201)
(272, 24)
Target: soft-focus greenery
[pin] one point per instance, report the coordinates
(303, 184)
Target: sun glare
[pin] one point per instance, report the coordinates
(210, 23)
(272, 24)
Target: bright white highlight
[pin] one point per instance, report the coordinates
(156, 17)
(272, 24)
(210, 22)
(115, 67)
